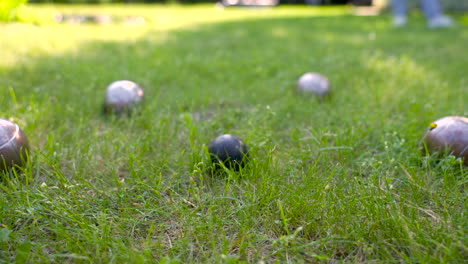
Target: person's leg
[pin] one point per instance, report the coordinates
(399, 12)
(399, 7)
(431, 8)
(433, 13)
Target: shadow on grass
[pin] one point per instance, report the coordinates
(253, 61)
(239, 76)
(235, 73)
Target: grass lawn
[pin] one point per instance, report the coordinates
(337, 181)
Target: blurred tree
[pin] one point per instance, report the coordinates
(455, 5)
(8, 9)
(318, 2)
(447, 5)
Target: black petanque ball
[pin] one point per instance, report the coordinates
(314, 83)
(450, 133)
(122, 97)
(228, 149)
(13, 145)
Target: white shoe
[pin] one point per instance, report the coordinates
(399, 21)
(440, 22)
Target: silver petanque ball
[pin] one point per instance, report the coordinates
(122, 97)
(14, 145)
(314, 83)
(450, 133)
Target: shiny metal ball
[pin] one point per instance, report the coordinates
(314, 83)
(228, 149)
(450, 133)
(122, 97)
(14, 145)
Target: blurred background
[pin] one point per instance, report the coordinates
(448, 5)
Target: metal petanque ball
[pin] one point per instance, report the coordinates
(450, 133)
(122, 97)
(228, 149)
(13, 145)
(314, 83)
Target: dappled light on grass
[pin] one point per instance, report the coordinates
(57, 40)
(54, 39)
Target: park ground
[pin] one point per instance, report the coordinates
(342, 180)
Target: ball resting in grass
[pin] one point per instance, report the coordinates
(14, 145)
(228, 149)
(122, 97)
(314, 83)
(448, 133)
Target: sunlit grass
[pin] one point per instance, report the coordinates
(66, 38)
